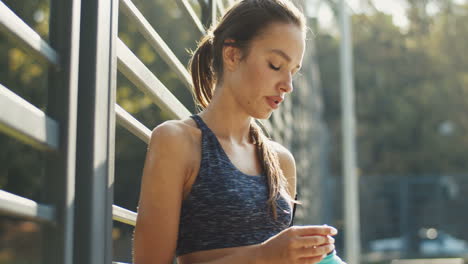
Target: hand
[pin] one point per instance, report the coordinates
(298, 245)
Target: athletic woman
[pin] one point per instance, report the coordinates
(215, 189)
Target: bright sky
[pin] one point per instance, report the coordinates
(393, 7)
(396, 8)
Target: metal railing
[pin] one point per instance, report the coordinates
(53, 131)
(78, 130)
(135, 71)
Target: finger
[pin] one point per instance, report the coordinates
(329, 240)
(315, 230)
(315, 251)
(309, 241)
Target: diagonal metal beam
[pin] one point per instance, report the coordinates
(148, 32)
(18, 206)
(123, 215)
(27, 123)
(185, 5)
(221, 7)
(134, 126)
(21, 33)
(145, 80)
(214, 16)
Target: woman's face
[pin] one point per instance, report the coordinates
(266, 74)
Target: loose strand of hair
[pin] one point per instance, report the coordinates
(270, 163)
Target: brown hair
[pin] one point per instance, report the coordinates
(242, 22)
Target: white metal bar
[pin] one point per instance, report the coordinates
(13, 26)
(25, 122)
(15, 205)
(156, 41)
(145, 80)
(185, 5)
(123, 215)
(126, 120)
(351, 191)
(221, 7)
(214, 16)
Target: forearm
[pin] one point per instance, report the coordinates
(247, 255)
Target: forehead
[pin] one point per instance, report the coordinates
(287, 38)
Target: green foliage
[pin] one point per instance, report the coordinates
(408, 87)
(410, 99)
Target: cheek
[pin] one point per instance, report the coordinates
(257, 78)
(254, 81)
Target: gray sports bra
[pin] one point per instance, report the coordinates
(225, 207)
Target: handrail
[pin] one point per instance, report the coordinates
(214, 6)
(148, 32)
(25, 122)
(134, 126)
(14, 27)
(221, 7)
(124, 215)
(145, 80)
(185, 5)
(15, 205)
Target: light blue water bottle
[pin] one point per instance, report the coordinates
(332, 258)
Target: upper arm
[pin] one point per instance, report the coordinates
(166, 167)
(288, 166)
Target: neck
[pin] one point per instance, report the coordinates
(227, 119)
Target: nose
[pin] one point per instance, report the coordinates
(287, 85)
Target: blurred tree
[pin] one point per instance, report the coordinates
(410, 101)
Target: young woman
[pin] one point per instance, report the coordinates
(215, 189)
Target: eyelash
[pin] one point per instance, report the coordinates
(274, 68)
(277, 69)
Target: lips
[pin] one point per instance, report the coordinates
(274, 101)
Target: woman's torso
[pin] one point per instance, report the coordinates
(243, 157)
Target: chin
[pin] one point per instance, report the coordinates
(262, 116)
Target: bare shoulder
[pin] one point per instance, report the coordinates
(174, 132)
(287, 164)
(175, 139)
(174, 129)
(284, 155)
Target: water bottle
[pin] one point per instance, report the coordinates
(332, 258)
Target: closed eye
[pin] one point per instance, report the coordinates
(274, 68)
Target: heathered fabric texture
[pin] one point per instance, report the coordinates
(225, 207)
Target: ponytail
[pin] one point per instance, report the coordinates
(201, 69)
